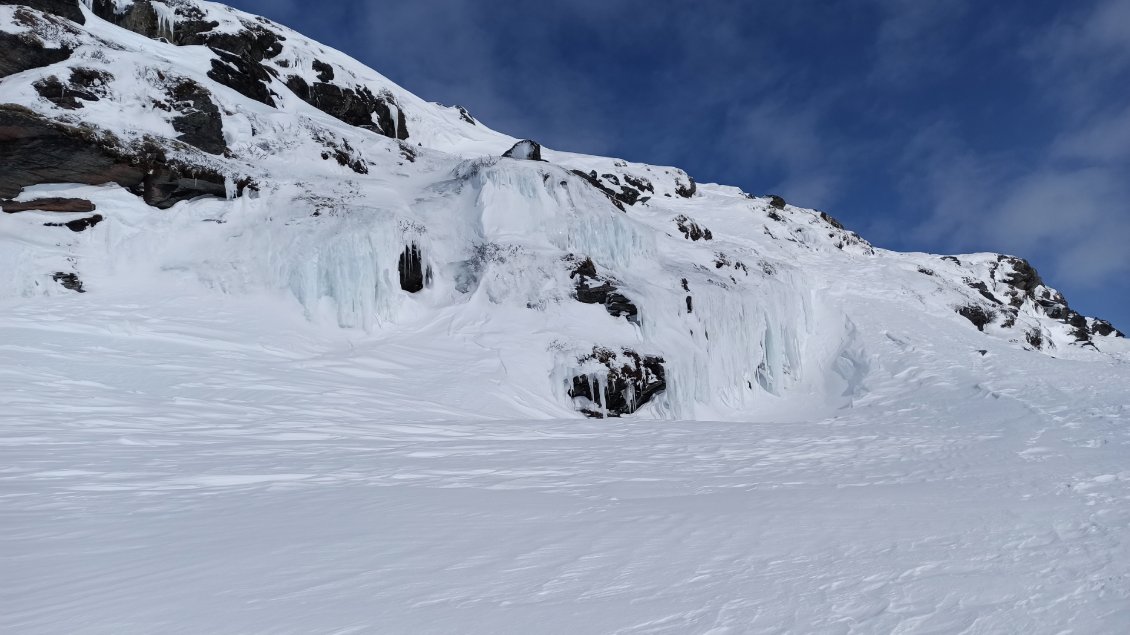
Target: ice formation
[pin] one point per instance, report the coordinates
(755, 306)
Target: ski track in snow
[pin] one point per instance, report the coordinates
(177, 474)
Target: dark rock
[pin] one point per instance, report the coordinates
(408, 152)
(594, 289)
(25, 51)
(79, 225)
(79, 205)
(1104, 328)
(1023, 277)
(68, 9)
(1035, 338)
(978, 315)
(691, 230)
(595, 181)
(690, 304)
(630, 193)
(359, 107)
(141, 18)
(1054, 310)
(35, 150)
(244, 76)
(952, 259)
(721, 260)
(831, 221)
(926, 271)
(1079, 327)
(466, 116)
(688, 190)
(631, 380)
(983, 289)
(199, 124)
(86, 84)
(776, 201)
(640, 184)
(69, 281)
(325, 71)
(254, 43)
(62, 95)
(414, 274)
(525, 150)
(344, 154)
(300, 87)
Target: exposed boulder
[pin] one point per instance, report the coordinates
(592, 288)
(626, 381)
(776, 202)
(68, 9)
(525, 150)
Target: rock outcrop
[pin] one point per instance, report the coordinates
(35, 150)
(68, 9)
(592, 288)
(525, 150)
(626, 381)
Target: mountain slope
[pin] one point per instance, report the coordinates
(290, 168)
(287, 348)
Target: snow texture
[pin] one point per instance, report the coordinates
(249, 421)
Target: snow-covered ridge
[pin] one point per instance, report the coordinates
(599, 285)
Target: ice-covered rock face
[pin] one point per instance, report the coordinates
(600, 286)
(524, 151)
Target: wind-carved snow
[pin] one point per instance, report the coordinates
(198, 466)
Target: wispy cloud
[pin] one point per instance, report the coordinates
(912, 38)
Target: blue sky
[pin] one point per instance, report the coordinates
(945, 125)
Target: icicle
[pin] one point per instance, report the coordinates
(166, 20)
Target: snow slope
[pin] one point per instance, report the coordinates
(177, 468)
(313, 355)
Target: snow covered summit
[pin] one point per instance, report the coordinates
(158, 148)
